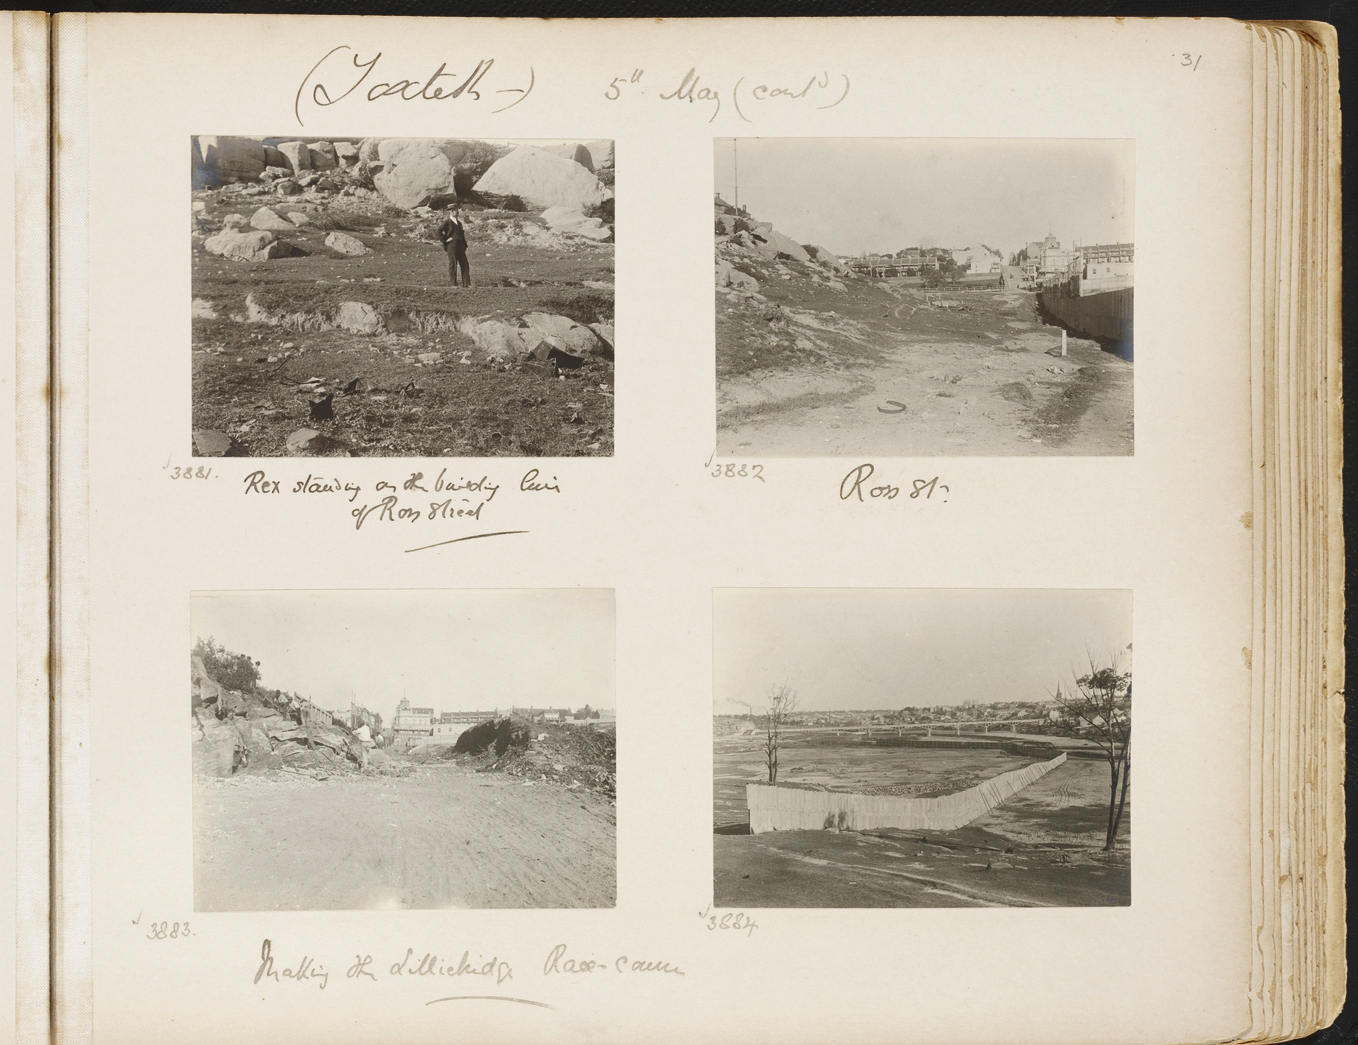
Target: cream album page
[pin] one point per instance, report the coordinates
(633, 531)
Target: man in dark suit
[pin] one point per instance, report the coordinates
(453, 235)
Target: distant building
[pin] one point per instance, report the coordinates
(1103, 267)
(412, 721)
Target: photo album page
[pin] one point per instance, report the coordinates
(587, 531)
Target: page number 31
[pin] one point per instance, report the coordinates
(1189, 61)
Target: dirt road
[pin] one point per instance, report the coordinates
(441, 837)
(986, 380)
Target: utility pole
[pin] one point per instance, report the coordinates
(735, 153)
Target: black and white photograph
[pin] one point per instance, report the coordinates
(402, 297)
(913, 297)
(898, 747)
(403, 750)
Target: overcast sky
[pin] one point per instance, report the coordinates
(855, 195)
(451, 650)
(859, 648)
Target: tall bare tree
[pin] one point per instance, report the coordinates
(1099, 708)
(782, 702)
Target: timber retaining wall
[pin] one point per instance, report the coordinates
(774, 808)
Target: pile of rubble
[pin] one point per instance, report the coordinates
(580, 758)
(254, 733)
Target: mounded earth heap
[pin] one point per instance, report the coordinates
(220, 159)
(417, 170)
(544, 180)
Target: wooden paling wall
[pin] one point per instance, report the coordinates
(774, 808)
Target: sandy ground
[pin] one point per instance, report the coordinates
(981, 382)
(442, 837)
(1042, 848)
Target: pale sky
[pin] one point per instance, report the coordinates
(880, 648)
(855, 195)
(470, 650)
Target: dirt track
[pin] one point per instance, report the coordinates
(984, 380)
(442, 837)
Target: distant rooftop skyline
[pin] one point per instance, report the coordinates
(881, 195)
(886, 648)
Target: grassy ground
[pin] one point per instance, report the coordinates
(246, 375)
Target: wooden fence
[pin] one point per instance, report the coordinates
(774, 808)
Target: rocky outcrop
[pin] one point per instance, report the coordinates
(260, 245)
(535, 335)
(346, 153)
(544, 180)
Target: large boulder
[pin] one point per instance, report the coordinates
(544, 180)
(497, 339)
(322, 156)
(730, 276)
(346, 153)
(564, 334)
(578, 153)
(297, 155)
(367, 150)
(785, 245)
(266, 218)
(274, 158)
(224, 159)
(601, 153)
(261, 245)
(346, 244)
(417, 170)
(824, 257)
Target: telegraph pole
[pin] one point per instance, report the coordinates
(735, 152)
